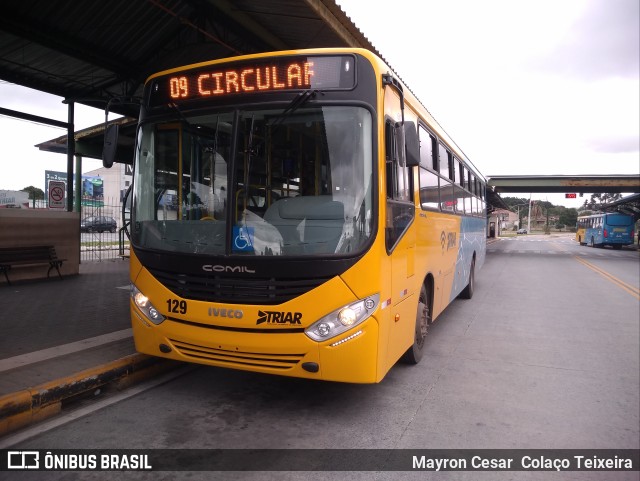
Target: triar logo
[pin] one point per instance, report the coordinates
(276, 317)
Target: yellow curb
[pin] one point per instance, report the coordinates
(21, 408)
(15, 411)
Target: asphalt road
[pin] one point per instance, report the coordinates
(546, 355)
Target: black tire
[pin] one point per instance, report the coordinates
(467, 292)
(423, 319)
(617, 247)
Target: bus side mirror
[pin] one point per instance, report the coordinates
(412, 144)
(110, 146)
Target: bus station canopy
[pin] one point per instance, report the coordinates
(91, 52)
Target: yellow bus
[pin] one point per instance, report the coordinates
(297, 213)
(581, 229)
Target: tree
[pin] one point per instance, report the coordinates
(566, 216)
(512, 202)
(597, 200)
(545, 205)
(34, 193)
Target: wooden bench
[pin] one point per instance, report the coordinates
(29, 256)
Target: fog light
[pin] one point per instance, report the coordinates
(324, 329)
(153, 314)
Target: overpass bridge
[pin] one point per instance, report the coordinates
(582, 184)
(570, 184)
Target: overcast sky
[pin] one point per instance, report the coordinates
(533, 87)
(22, 164)
(524, 87)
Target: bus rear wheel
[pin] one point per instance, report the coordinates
(467, 292)
(423, 319)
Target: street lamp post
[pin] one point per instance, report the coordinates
(519, 220)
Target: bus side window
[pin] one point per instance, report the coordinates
(445, 163)
(390, 160)
(400, 210)
(398, 176)
(429, 188)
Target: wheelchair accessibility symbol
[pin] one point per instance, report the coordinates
(242, 239)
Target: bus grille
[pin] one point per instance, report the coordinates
(234, 290)
(237, 358)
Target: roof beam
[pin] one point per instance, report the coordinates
(252, 27)
(58, 41)
(33, 118)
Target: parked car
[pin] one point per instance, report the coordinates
(99, 223)
(522, 231)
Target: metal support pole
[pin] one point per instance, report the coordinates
(78, 199)
(71, 147)
(529, 218)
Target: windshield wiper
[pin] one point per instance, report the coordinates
(300, 99)
(175, 107)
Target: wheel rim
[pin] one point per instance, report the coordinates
(423, 322)
(421, 326)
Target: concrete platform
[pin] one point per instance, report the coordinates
(64, 338)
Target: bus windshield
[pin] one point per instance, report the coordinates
(286, 182)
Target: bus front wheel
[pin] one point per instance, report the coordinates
(423, 319)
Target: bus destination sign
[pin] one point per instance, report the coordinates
(277, 74)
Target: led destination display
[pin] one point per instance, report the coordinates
(277, 74)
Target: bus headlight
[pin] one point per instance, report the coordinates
(142, 302)
(343, 319)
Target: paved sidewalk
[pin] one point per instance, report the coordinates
(61, 338)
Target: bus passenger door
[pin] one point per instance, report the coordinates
(399, 231)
